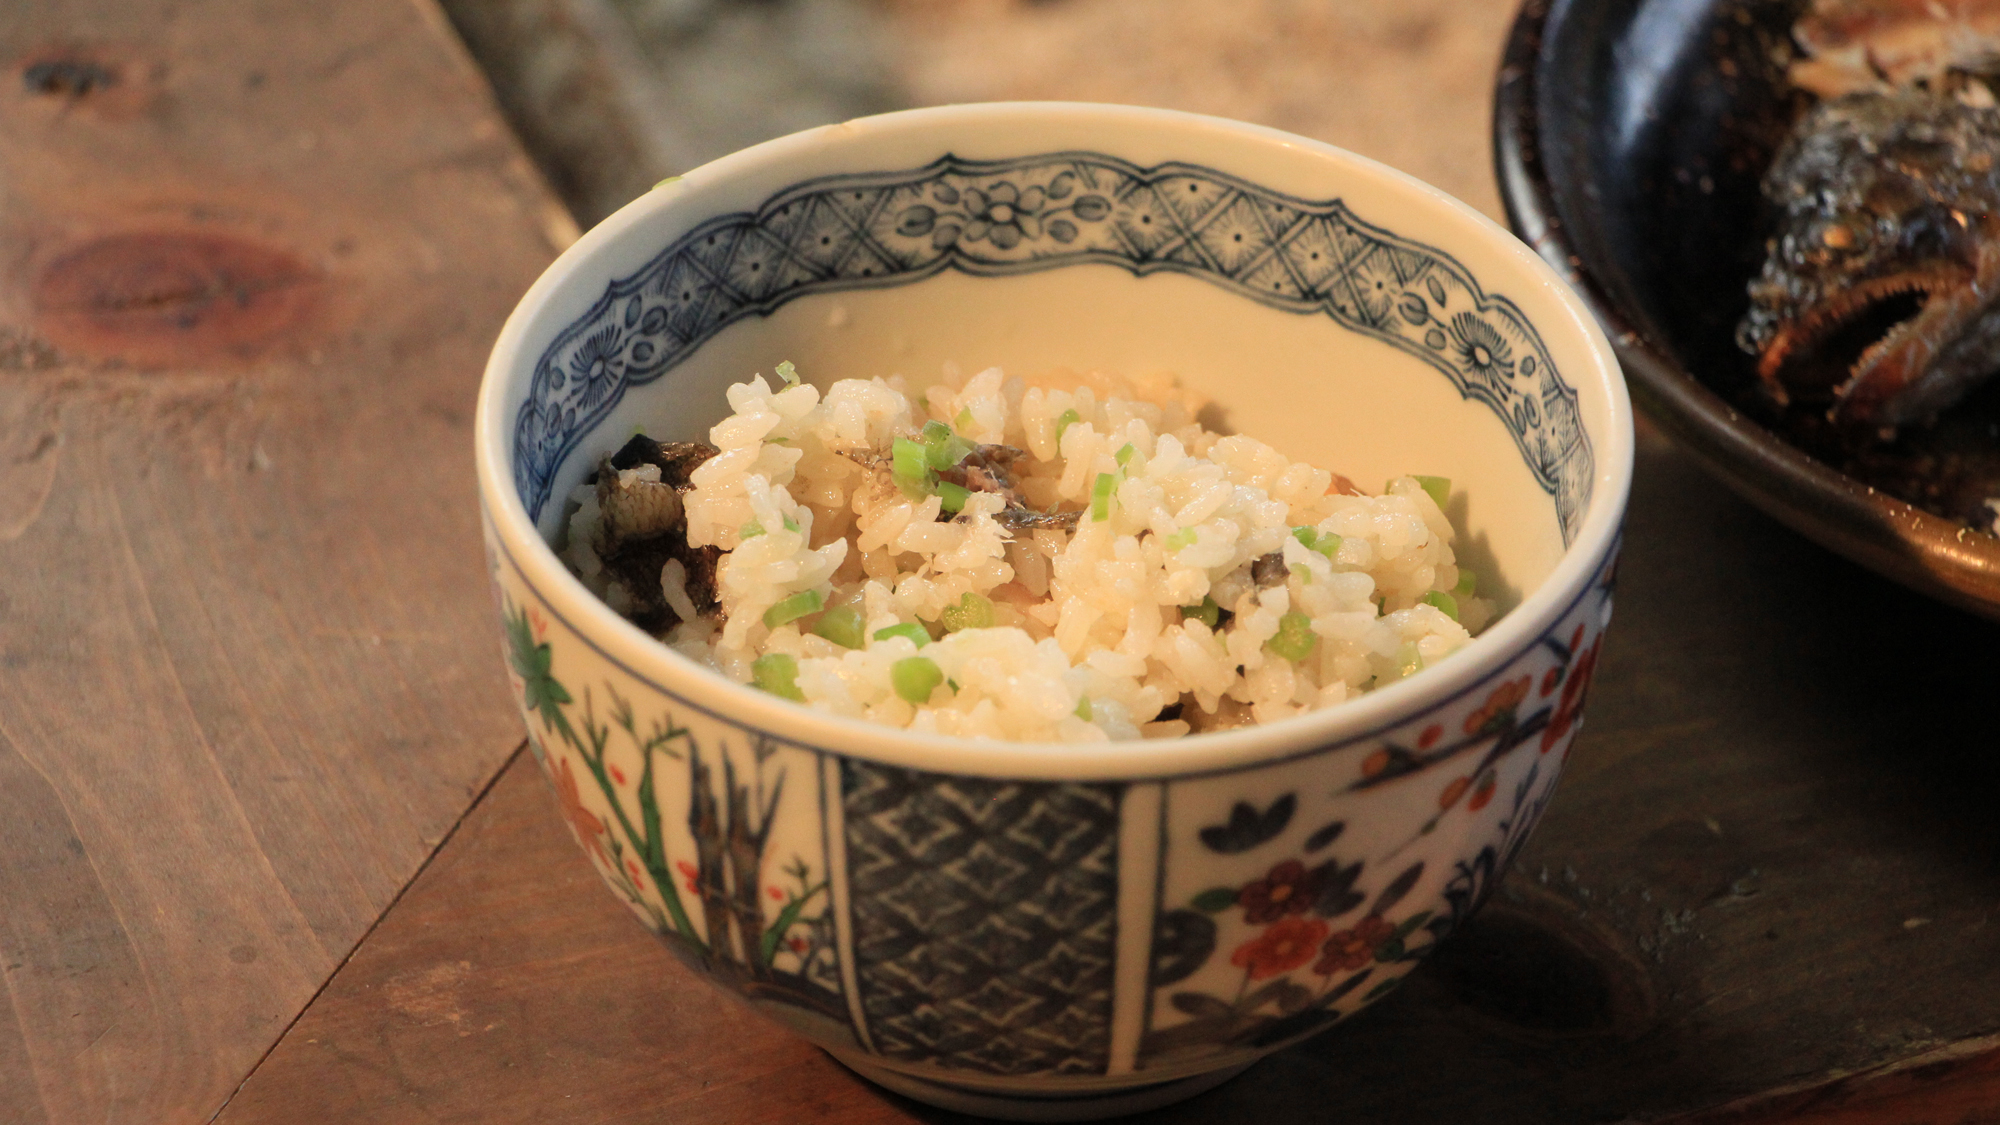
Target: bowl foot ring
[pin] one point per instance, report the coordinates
(1039, 1107)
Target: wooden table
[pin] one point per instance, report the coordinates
(269, 852)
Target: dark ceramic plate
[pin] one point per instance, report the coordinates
(1630, 138)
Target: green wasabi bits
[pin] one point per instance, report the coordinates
(788, 373)
(793, 608)
(750, 530)
(1295, 639)
(1100, 497)
(964, 419)
(973, 611)
(1179, 540)
(915, 678)
(1083, 709)
(1125, 454)
(843, 626)
(1443, 601)
(1208, 613)
(1468, 584)
(777, 673)
(1438, 488)
(1064, 421)
(954, 496)
(908, 629)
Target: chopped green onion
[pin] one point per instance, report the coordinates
(1468, 584)
(790, 523)
(953, 495)
(1100, 497)
(908, 460)
(1083, 708)
(1439, 488)
(777, 673)
(1125, 454)
(973, 611)
(778, 440)
(750, 530)
(1064, 420)
(1179, 540)
(843, 626)
(1408, 660)
(1208, 612)
(942, 448)
(1326, 543)
(1443, 601)
(909, 629)
(909, 463)
(1295, 639)
(964, 419)
(788, 373)
(915, 678)
(793, 608)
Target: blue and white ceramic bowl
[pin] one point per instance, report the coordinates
(1039, 931)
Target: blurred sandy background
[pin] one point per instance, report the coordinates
(613, 95)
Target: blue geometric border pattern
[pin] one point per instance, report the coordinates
(993, 218)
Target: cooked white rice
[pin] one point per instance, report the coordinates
(1089, 640)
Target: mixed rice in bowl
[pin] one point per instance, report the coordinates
(1060, 557)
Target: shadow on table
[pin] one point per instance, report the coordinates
(1773, 857)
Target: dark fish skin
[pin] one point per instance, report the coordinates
(676, 460)
(645, 525)
(1021, 518)
(1878, 297)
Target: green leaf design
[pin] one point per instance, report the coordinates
(1382, 988)
(1411, 923)
(787, 918)
(1389, 951)
(1215, 901)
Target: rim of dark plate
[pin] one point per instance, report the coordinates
(1929, 553)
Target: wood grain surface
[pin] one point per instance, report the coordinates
(1766, 885)
(251, 257)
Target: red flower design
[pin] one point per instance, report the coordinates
(1430, 737)
(1504, 700)
(1375, 764)
(1288, 889)
(1551, 678)
(1569, 709)
(1483, 795)
(1284, 946)
(689, 873)
(776, 894)
(798, 944)
(617, 774)
(632, 865)
(1349, 950)
(536, 622)
(582, 821)
(1453, 792)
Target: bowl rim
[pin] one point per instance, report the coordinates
(1926, 552)
(1360, 720)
